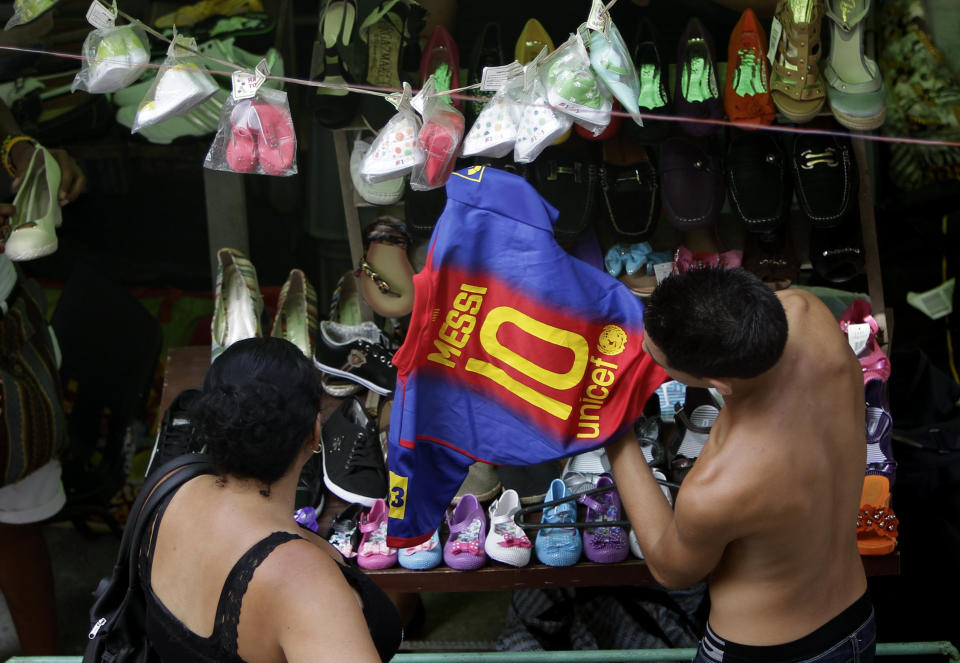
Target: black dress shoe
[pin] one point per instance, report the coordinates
(825, 178)
(631, 200)
(757, 181)
(571, 183)
(836, 254)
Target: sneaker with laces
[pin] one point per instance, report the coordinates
(374, 553)
(558, 546)
(177, 434)
(421, 557)
(464, 549)
(506, 542)
(345, 531)
(357, 353)
(353, 467)
(604, 544)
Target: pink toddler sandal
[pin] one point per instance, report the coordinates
(276, 140)
(242, 145)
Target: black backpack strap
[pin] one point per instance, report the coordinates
(167, 478)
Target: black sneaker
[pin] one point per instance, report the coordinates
(310, 484)
(345, 531)
(177, 435)
(825, 177)
(353, 467)
(356, 352)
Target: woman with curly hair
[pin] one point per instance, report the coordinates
(230, 575)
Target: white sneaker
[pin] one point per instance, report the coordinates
(117, 59)
(582, 471)
(178, 90)
(386, 192)
(506, 542)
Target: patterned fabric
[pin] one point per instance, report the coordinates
(34, 427)
(923, 96)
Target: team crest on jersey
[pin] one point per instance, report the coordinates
(612, 341)
(474, 173)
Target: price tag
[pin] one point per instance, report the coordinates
(662, 271)
(493, 78)
(776, 31)
(531, 69)
(246, 85)
(857, 336)
(599, 18)
(101, 16)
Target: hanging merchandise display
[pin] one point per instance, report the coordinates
(396, 150)
(574, 88)
(521, 365)
(494, 132)
(539, 124)
(612, 63)
(439, 139)
(114, 57)
(855, 87)
(180, 86)
(256, 133)
(25, 11)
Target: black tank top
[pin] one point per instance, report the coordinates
(175, 643)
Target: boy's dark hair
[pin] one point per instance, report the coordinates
(717, 323)
(259, 402)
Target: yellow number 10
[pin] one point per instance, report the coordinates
(560, 337)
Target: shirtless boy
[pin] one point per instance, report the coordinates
(767, 513)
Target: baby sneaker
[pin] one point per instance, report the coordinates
(464, 550)
(558, 546)
(421, 557)
(374, 553)
(506, 542)
(604, 544)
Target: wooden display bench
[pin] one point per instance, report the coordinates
(186, 368)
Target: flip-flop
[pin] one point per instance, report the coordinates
(877, 525)
(34, 224)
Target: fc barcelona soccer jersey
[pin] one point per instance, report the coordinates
(517, 352)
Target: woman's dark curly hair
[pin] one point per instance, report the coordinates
(259, 403)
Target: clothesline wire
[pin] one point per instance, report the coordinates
(457, 94)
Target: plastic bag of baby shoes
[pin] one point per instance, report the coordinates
(611, 62)
(180, 86)
(573, 87)
(256, 133)
(114, 58)
(25, 11)
(396, 149)
(538, 125)
(494, 132)
(439, 138)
